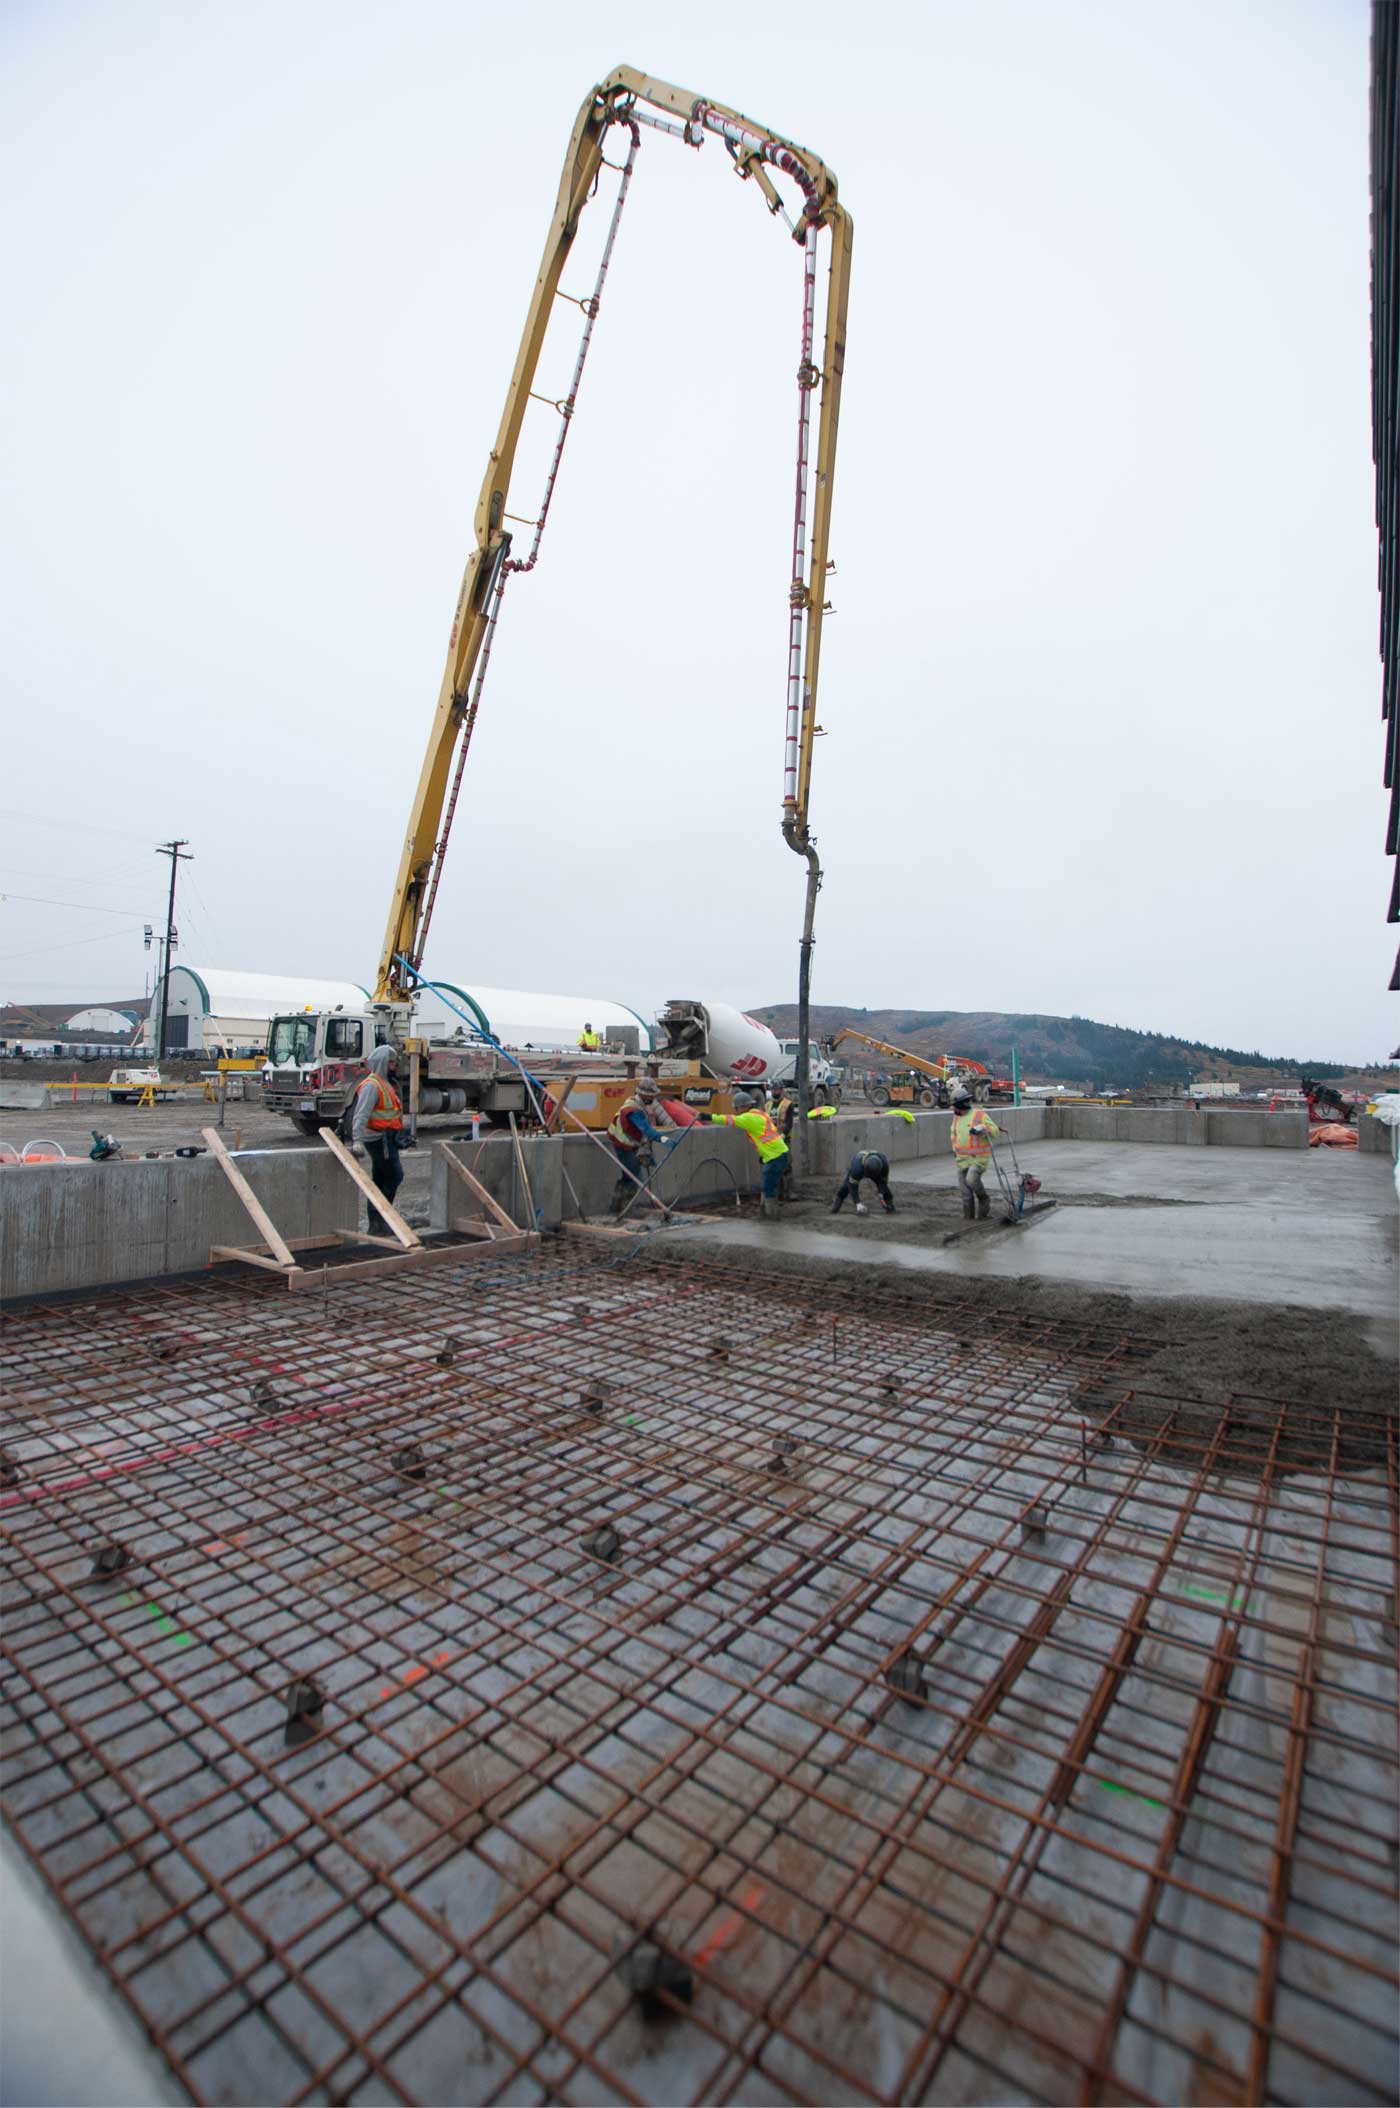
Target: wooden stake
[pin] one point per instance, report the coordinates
(488, 1200)
(409, 1239)
(266, 1227)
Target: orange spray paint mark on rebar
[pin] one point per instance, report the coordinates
(416, 1673)
(729, 1927)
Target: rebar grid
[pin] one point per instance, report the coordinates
(920, 1737)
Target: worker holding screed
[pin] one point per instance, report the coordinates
(377, 1122)
(753, 1117)
(972, 1133)
(631, 1133)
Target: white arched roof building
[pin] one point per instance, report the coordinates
(211, 1010)
(517, 1017)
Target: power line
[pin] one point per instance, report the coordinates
(86, 907)
(70, 826)
(69, 944)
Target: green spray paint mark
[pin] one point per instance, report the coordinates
(1112, 1786)
(631, 1419)
(167, 1625)
(1238, 1601)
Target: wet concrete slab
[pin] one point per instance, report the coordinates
(1314, 1229)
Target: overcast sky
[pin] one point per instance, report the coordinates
(1101, 694)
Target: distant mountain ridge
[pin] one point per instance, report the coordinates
(1075, 1050)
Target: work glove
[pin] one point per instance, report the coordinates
(358, 1149)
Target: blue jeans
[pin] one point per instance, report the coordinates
(774, 1172)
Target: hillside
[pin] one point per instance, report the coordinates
(1073, 1050)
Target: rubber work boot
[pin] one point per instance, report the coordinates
(969, 1204)
(770, 1208)
(984, 1206)
(889, 1207)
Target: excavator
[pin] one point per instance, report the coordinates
(942, 1072)
(798, 190)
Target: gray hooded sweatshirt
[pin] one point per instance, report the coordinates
(367, 1097)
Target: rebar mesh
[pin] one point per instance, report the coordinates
(550, 1679)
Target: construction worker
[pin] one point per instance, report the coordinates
(972, 1134)
(866, 1163)
(758, 1124)
(377, 1121)
(589, 1041)
(632, 1133)
(782, 1110)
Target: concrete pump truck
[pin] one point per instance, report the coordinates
(317, 1060)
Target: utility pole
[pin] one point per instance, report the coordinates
(177, 854)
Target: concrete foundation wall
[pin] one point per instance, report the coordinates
(1376, 1138)
(1176, 1124)
(706, 1166)
(87, 1225)
(17, 1095)
(832, 1143)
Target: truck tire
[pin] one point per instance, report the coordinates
(309, 1124)
(927, 1098)
(879, 1094)
(981, 1092)
(820, 1094)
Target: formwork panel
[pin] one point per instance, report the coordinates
(555, 1678)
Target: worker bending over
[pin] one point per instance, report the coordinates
(632, 1133)
(871, 1164)
(377, 1121)
(753, 1116)
(589, 1040)
(972, 1134)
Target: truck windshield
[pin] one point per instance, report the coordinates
(292, 1039)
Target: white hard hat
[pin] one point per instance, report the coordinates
(960, 1093)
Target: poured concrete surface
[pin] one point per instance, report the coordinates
(1316, 1228)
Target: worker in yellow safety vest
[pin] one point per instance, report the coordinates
(758, 1124)
(972, 1133)
(589, 1040)
(377, 1122)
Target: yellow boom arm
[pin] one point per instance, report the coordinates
(629, 100)
(938, 1068)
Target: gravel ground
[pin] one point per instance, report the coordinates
(164, 1127)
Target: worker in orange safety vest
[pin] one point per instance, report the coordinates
(972, 1133)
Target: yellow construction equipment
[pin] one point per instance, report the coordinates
(624, 104)
(943, 1070)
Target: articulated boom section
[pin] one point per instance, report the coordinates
(629, 102)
